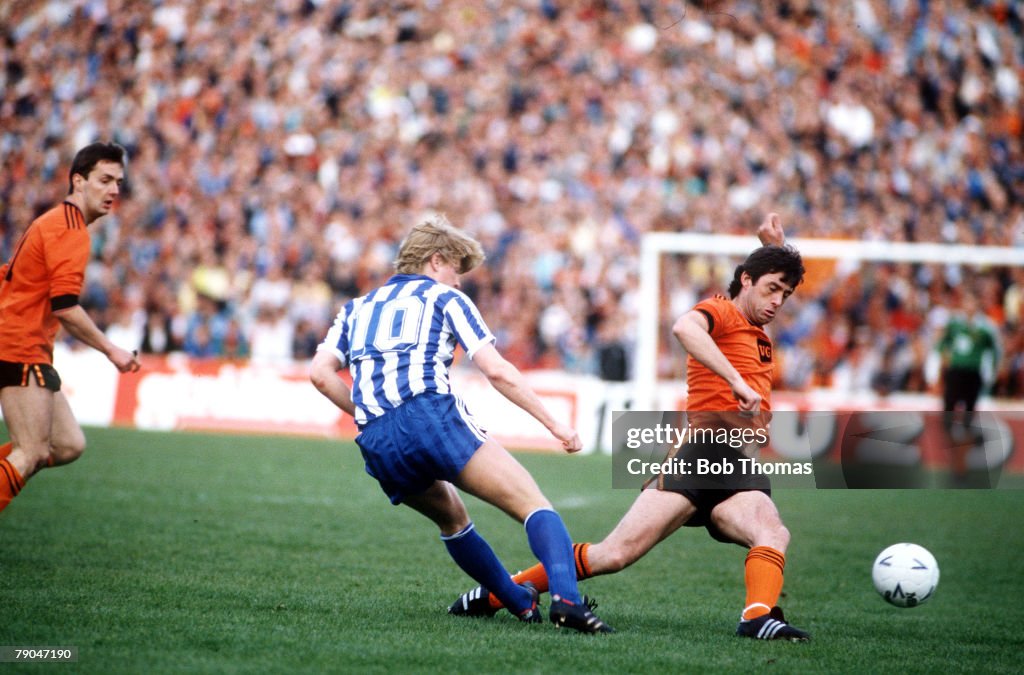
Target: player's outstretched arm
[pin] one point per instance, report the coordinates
(323, 373)
(78, 323)
(691, 329)
(507, 379)
(770, 231)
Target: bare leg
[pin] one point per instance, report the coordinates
(28, 412)
(67, 440)
(653, 516)
(493, 475)
(471, 552)
(442, 504)
(496, 477)
(751, 519)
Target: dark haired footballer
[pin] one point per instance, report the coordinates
(729, 373)
(39, 290)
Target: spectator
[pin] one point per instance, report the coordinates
(207, 329)
(559, 138)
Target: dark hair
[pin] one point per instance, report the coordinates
(768, 260)
(86, 159)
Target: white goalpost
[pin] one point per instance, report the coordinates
(655, 245)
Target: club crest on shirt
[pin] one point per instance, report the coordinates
(764, 350)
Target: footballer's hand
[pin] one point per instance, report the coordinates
(570, 439)
(125, 361)
(770, 231)
(749, 400)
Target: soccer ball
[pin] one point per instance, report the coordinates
(905, 574)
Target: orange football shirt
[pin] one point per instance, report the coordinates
(49, 262)
(748, 349)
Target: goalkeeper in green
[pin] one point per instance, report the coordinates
(970, 350)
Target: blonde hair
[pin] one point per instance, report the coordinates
(434, 234)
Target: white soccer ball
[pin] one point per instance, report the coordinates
(905, 574)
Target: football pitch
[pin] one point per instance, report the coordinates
(181, 552)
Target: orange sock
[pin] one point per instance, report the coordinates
(11, 483)
(539, 578)
(763, 574)
(5, 449)
(581, 553)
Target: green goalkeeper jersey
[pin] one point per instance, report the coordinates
(969, 342)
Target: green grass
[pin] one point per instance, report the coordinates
(186, 552)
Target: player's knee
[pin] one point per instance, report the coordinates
(68, 449)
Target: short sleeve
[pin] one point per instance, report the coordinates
(712, 309)
(66, 254)
(337, 339)
(466, 324)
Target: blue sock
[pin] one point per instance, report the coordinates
(550, 542)
(474, 555)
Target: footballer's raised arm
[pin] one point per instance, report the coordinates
(507, 379)
(770, 231)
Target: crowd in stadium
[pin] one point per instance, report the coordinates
(279, 152)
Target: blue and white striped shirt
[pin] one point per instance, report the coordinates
(399, 341)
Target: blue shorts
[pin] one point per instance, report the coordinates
(429, 437)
